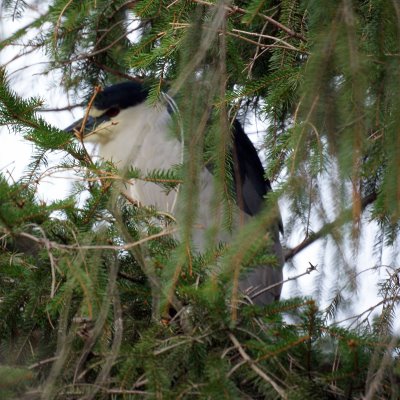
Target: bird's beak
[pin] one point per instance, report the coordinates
(76, 128)
(85, 126)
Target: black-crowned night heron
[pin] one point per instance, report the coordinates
(132, 133)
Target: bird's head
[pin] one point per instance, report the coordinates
(109, 109)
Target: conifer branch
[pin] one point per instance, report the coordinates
(48, 244)
(87, 279)
(329, 227)
(253, 365)
(65, 108)
(235, 9)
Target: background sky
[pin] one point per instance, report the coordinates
(27, 79)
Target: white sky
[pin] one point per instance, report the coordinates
(15, 153)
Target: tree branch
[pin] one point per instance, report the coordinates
(234, 9)
(329, 227)
(253, 365)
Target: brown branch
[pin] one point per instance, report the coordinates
(378, 375)
(58, 24)
(329, 227)
(368, 310)
(250, 293)
(42, 362)
(66, 108)
(99, 51)
(54, 245)
(129, 278)
(253, 365)
(116, 72)
(242, 11)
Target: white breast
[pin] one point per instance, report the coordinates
(140, 137)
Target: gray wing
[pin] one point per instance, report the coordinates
(263, 283)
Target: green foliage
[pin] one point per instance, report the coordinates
(99, 296)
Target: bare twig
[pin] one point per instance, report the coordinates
(233, 9)
(116, 72)
(238, 34)
(256, 368)
(112, 293)
(369, 310)
(182, 341)
(329, 227)
(260, 35)
(65, 108)
(386, 360)
(250, 293)
(55, 245)
(42, 362)
(57, 27)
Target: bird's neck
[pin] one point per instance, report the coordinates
(131, 131)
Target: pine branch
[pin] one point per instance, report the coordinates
(235, 9)
(66, 108)
(253, 365)
(329, 227)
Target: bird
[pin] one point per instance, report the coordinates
(130, 132)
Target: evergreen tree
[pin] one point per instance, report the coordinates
(99, 300)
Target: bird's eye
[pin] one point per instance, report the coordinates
(112, 112)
